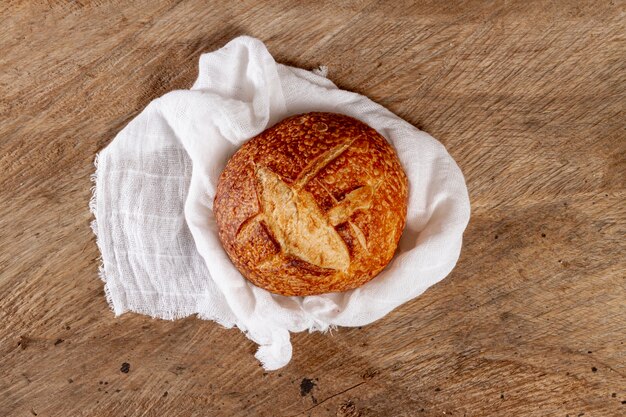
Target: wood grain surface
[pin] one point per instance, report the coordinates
(528, 97)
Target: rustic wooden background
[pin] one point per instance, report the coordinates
(528, 97)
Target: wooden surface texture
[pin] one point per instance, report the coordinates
(527, 96)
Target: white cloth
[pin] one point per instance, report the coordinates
(154, 189)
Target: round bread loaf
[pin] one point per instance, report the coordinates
(314, 204)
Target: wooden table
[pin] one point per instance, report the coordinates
(529, 99)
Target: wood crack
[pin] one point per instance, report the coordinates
(328, 398)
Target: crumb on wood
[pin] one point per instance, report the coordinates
(24, 342)
(348, 409)
(306, 386)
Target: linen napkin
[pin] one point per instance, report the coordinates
(155, 184)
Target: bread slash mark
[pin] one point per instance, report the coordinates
(315, 166)
(360, 237)
(359, 199)
(298, 225)
(246, 225)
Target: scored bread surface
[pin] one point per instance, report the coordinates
(314, 204)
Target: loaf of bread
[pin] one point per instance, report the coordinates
(314, 204)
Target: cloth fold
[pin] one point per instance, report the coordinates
(155, 184)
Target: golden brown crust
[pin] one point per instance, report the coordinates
(314, 204)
